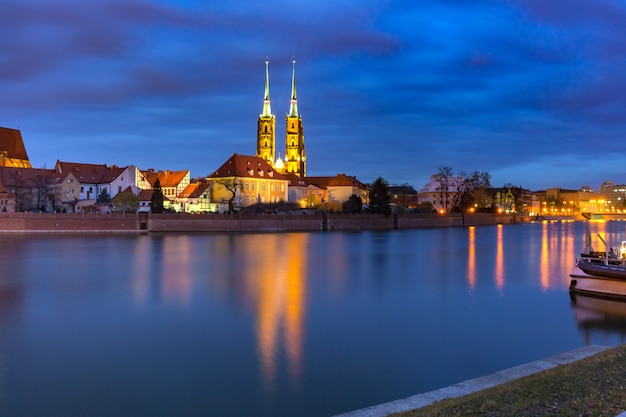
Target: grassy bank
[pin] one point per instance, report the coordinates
(594, 386)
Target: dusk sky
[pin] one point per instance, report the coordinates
(532, 91)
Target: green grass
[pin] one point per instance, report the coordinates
(594, 386)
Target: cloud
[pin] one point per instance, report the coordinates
(400, 87)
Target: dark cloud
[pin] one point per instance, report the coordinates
(386, 88)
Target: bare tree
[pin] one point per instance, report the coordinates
(468, 186)
(443, 179)
(17, 187)
(232, 185)
(40, 184)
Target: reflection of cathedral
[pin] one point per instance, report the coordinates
(295, 156)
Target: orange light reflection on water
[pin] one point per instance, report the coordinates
(142, 262)
(177, 269)
(471, 259)
(278, 291)
(544, 263)
(499, 272)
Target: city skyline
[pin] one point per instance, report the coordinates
(530, 92)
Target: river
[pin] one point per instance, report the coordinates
(280, 324)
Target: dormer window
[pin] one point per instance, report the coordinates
(250, 171)
(270, 173)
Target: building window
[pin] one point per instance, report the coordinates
(82, 189)
(263, 186)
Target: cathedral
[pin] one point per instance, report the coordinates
(295, 156)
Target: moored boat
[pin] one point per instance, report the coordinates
(600, 273)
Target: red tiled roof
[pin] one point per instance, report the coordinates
(246, 167)
(339, 180)
(25, 177)
(112, 173)
(194, 190)
(12, 143)
(85, 173)
(166, 178)
(4, 192)
(146, 195)
(295, 181)
(59, 177)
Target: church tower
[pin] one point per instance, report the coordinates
(265, 134)
(295, 157)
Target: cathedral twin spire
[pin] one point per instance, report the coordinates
(267, 108)
(293, 107)
(295, 157)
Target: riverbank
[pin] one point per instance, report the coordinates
(180, 222)
(589, 381)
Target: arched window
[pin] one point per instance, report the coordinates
(293, 143)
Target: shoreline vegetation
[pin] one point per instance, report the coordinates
(593, 386)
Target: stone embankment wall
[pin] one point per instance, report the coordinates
(148, 222)
(65, 222)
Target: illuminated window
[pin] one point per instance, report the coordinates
(263, 186)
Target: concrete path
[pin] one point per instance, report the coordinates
(473, 385)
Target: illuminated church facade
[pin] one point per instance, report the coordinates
(295, 155)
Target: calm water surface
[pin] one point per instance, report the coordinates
(306, 324)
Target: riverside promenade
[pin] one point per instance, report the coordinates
(475, 385)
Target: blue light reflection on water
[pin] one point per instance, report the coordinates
(278, 324)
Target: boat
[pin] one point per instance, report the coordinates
(600, 273)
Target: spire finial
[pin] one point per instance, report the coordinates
(293, 108)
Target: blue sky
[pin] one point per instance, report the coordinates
(532, 91)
